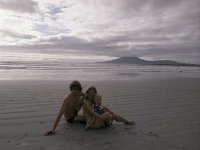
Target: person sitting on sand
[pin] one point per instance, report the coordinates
(96, 119)
(71, 106)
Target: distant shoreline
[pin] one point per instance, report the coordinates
(170, 65)
(142, 62)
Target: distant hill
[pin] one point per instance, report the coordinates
(139, 61)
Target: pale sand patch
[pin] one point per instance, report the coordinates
(166, 112)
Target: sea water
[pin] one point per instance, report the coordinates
(83, 70)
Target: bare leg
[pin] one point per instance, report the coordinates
(106, 109)
(121, 119)
(117, 117)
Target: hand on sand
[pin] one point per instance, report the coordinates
(52, 132)
(129, 122)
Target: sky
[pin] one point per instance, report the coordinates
(100, 29)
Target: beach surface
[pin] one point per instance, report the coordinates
(166, 112)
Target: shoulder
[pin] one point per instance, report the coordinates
(86, 103)
(82, 94)
(67, 97)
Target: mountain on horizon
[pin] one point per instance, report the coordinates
(139, 61)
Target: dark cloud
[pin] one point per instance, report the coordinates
(130, 45)
(22, 6)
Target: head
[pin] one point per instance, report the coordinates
(91, 92)
(75, 87)
(98, 99)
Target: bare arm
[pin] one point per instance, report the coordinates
(62, 109)
(80, 102)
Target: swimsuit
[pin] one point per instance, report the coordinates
(71, 120)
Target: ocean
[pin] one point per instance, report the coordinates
(88, 71)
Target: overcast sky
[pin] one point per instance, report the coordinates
(101, 29)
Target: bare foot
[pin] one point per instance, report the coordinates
(49, 133)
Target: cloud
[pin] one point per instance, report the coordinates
(160, 29)
(6, 33)
(53, 10)
(22, 6)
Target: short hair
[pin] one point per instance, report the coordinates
(91, 88)
(75, 85)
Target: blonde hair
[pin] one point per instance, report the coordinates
(91, 88)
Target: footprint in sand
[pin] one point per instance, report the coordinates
(179, 147)
(83, 140)
(153, 134)
(41, 148)
(25, 134)
(41, 122)
(150, 134)
(108, 146)
(8, 140)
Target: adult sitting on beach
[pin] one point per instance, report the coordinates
(98, 119)
(71, 106)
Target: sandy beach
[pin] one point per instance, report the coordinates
(166, 112)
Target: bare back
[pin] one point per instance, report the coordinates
(72, 104)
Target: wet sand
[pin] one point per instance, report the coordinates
(166, 112)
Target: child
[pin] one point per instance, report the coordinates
(97, 106)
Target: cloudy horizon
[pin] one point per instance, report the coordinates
(100, 29)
